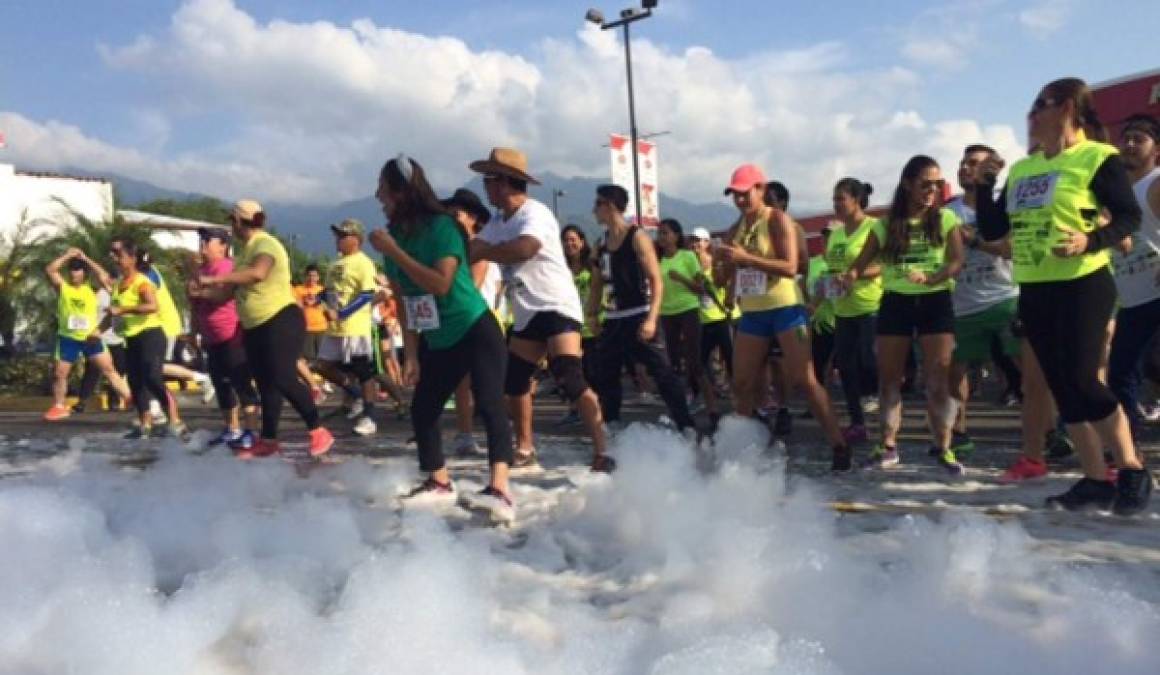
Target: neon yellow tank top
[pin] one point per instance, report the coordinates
(76, 311)
(130, 296)
(757, 291)
(167, 310)
(1045, 195)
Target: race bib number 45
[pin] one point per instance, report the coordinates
(422, 313)
(1033, 192)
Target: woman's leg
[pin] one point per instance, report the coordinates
(799, 369)
(893, 351)
(936, 362)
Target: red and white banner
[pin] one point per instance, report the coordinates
(622, 175)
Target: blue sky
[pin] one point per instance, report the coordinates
(814, 90)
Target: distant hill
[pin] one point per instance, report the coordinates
(308, 223)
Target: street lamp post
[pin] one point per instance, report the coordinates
(627, 16)
(556, 194)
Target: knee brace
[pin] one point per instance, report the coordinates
(569, 373)
(362, 367)
(518, 379)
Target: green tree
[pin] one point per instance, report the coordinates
(15, 251)
(205, 209)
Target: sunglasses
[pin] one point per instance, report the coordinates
(1040, 104)
(929, 185)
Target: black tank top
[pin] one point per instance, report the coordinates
(623, 274)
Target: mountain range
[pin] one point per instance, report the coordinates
(307, 224)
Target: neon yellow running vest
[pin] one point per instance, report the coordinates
(1045, 195)
(76, 311)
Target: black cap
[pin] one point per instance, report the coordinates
(219, 233)
(76, 264)
(468, 201)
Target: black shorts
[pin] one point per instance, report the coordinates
(547, 325)
(905, 315)
(310, 346)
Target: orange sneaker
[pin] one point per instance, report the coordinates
(1024, 469)
(264, 447)
(321, 441)
(57, 412)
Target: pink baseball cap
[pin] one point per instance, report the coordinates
(744, 178)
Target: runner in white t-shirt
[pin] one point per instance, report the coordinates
(985, 301)
(525, 241)
(1137, 272)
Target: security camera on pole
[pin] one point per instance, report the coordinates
(627, 16)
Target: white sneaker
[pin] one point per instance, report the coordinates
(430, 495)
(1149, 411)
(356, 409)
(159, 417)
(465, 446)
(207, 389)
(499, 506)
(365, 426)
(870, 404)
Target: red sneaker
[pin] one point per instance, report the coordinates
(321, 441)
(264, 447)
(57, 412)
(1023, 469)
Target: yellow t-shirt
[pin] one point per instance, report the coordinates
(349, 276)
(76, 311)
(260, 301)
(758, 291)
(129, 295)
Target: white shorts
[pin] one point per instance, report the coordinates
(341, 349)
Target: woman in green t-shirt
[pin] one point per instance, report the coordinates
(448, 334)
(578, 255)
(855, 307)
(920, 250)
(681, 309)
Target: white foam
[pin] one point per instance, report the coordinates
(205, 565)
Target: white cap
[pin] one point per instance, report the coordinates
(700, 233)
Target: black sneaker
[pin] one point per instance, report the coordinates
(1133, 491)
(842, 460)
(1059, 445)
(962, 444)
(603, 464)
(78, 408)
(783, 425)
(1086, 495)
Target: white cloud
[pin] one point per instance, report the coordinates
(1046, 18)
(317, 107)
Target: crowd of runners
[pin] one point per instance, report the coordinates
(1052, 278)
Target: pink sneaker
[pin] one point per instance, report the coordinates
(57, 412)
(1023, 469)
(321, 441)
(855, 433)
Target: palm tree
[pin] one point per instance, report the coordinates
(35, 301)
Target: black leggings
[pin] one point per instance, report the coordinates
(717, 335)
(92, 376)
(854, 353)
(683, 344)
(821, 349)
(272, 350)
(144, 359)
(482, 354)
(618, 340)
(1066, 323)
(230, 372)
